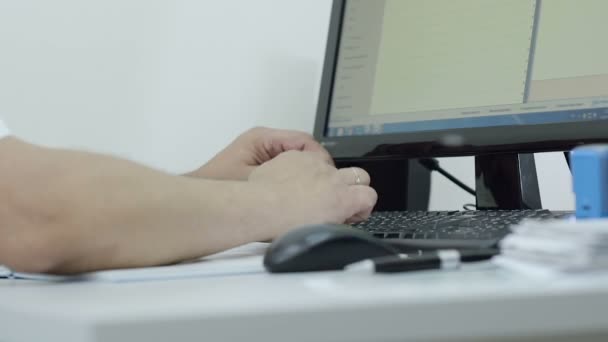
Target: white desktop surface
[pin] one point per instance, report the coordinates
(480, 303)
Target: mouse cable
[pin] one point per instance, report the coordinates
(432, 164)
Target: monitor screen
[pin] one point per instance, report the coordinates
(407, 66)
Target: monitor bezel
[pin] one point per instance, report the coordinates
(473, 141)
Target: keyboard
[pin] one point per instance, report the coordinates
(450, 225)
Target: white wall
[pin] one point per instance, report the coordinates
(168, 83)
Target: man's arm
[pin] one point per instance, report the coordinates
(67, 212)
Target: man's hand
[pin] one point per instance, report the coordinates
(255, 147)
(313, 191)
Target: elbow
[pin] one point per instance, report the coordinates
(36, 217)
(33, 251)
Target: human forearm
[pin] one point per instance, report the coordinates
(72, 211)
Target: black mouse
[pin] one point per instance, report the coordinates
(323, 247)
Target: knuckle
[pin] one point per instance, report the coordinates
(306, 135)
(258, 130)
(291, 154)
(298, 134)
(373, 197)
(367, 197)
(364, 173)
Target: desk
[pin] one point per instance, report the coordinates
(480, 303)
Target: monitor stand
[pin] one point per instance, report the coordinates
(503, 182)
(507, 182)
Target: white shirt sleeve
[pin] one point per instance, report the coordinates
(4, 272)
(4, 130)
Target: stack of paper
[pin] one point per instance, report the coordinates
(556, 247)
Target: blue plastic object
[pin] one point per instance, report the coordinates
(590, 172)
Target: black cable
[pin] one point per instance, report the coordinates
(456, 181)
(469, 207)
(432, 164)
(567, 155)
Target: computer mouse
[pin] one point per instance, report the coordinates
(322, 247)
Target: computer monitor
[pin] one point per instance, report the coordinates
(494, 79)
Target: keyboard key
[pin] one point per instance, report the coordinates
(455, 225)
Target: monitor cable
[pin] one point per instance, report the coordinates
(432, 164)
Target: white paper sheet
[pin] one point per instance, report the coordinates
(246, 259)
(4, 272)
